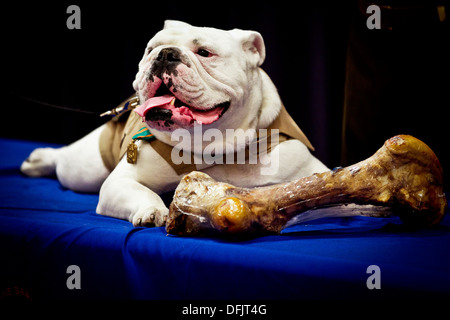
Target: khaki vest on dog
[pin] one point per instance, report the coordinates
(119, 131)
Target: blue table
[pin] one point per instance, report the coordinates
(52, 242)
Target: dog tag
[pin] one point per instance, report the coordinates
(132, 151)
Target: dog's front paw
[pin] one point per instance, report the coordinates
(151, 217)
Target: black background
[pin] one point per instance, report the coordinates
(93, 68)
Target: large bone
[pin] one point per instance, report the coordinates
(404, 175)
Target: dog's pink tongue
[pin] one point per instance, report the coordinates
(154, 102)
(183, 115)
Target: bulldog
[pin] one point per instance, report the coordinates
(192, 80)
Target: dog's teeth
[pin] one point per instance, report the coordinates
(173, 101)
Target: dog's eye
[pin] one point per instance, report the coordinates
(149, 50)
(204, 53)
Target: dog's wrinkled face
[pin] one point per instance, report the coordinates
(190, 75)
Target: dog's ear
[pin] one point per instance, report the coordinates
(252, 44)
(172, 24)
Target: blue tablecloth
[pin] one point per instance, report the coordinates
(45, 228)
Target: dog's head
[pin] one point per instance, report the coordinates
(191, 75)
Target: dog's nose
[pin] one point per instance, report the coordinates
(167, 61)
(170, 55)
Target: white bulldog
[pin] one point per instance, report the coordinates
(196, 80)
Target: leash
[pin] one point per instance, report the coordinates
(129, 104)
(125, 106)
